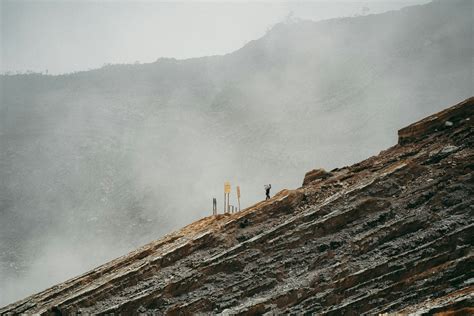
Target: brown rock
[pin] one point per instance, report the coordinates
(315, 174)
(446, 118)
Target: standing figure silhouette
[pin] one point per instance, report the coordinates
(267, 191)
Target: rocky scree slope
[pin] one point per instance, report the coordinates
(392, 233)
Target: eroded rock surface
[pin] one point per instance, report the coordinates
(314, 175)
(393, 233)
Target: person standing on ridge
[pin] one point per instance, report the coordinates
(214, 206)
(267, 191)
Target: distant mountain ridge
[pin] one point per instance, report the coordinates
(104, 157)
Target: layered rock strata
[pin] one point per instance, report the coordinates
(392, 233)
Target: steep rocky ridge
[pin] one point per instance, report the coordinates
(392, 233)
(99, 158)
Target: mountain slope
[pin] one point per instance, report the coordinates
(391, 233)
(104, 157)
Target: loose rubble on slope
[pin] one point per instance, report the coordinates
(393, 233)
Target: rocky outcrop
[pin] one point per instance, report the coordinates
(314, 175)
(456, 114)
(393, 233)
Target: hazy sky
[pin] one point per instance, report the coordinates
(67, 36)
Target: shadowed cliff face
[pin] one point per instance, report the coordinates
(109, 159)
(392, 233)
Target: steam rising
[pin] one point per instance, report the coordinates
(94, 164)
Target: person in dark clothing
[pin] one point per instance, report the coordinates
(267, 191)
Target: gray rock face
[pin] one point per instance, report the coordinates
(392, 233)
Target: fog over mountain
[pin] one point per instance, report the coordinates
(58, 36)
(94, 163)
